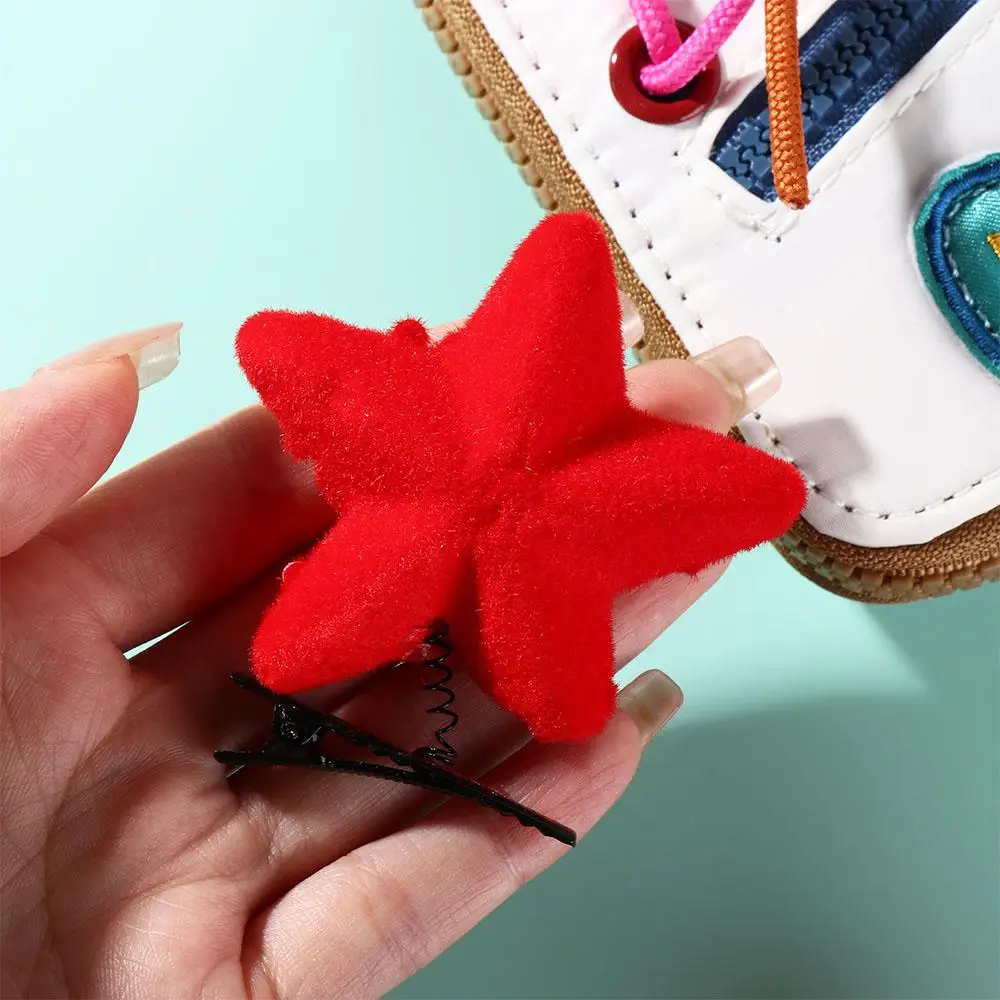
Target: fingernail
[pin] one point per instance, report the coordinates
(650, 701)
(632, 325)
(155, 353)
(747, 373)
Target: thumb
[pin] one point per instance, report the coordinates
(61, 430)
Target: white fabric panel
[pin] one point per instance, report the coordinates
(883, 408)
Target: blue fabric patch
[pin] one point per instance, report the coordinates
(849, 60)
(958, 264)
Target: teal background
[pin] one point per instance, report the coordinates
(821, 819)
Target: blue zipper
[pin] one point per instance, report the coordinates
(849, 60)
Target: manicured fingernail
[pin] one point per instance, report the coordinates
(632, 327)
(650, 701)
(747, 373)
(155, 353)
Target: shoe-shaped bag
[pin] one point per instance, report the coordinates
(877, 288)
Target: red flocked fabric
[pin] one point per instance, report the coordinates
(498, 479)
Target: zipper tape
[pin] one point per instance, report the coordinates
(848, 60)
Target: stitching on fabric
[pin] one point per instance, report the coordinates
(960, 203)
(633, 212)
(851, 508)
(762, 224)
(904, 107)
(816, 488)
(717, 185)
(758, 223)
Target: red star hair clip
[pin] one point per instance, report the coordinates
(486, 481)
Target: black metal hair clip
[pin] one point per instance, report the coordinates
(299, 731)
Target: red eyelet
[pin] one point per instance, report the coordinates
(627, 60)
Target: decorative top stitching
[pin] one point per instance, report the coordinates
(851, 508)
(616, 185)
(633, 214)
(758, 222)
(905, 106)
(960, 203)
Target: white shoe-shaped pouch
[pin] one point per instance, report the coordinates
(879, 299)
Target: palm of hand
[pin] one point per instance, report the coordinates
(130, 866)
(103, 782)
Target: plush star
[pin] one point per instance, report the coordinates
(498, 479)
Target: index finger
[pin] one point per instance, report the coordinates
(59, 432)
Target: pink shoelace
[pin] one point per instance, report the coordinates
(675, 62)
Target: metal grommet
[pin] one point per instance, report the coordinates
(628, 58)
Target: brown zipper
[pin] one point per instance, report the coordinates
(961, 559)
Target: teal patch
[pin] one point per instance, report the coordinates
(957, 260)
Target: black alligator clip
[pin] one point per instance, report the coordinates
(296, 740)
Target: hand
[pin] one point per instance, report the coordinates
(131, 867)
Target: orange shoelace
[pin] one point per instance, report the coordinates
(784, 102)
(677, 60)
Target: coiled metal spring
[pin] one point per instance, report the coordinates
(438, 647)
